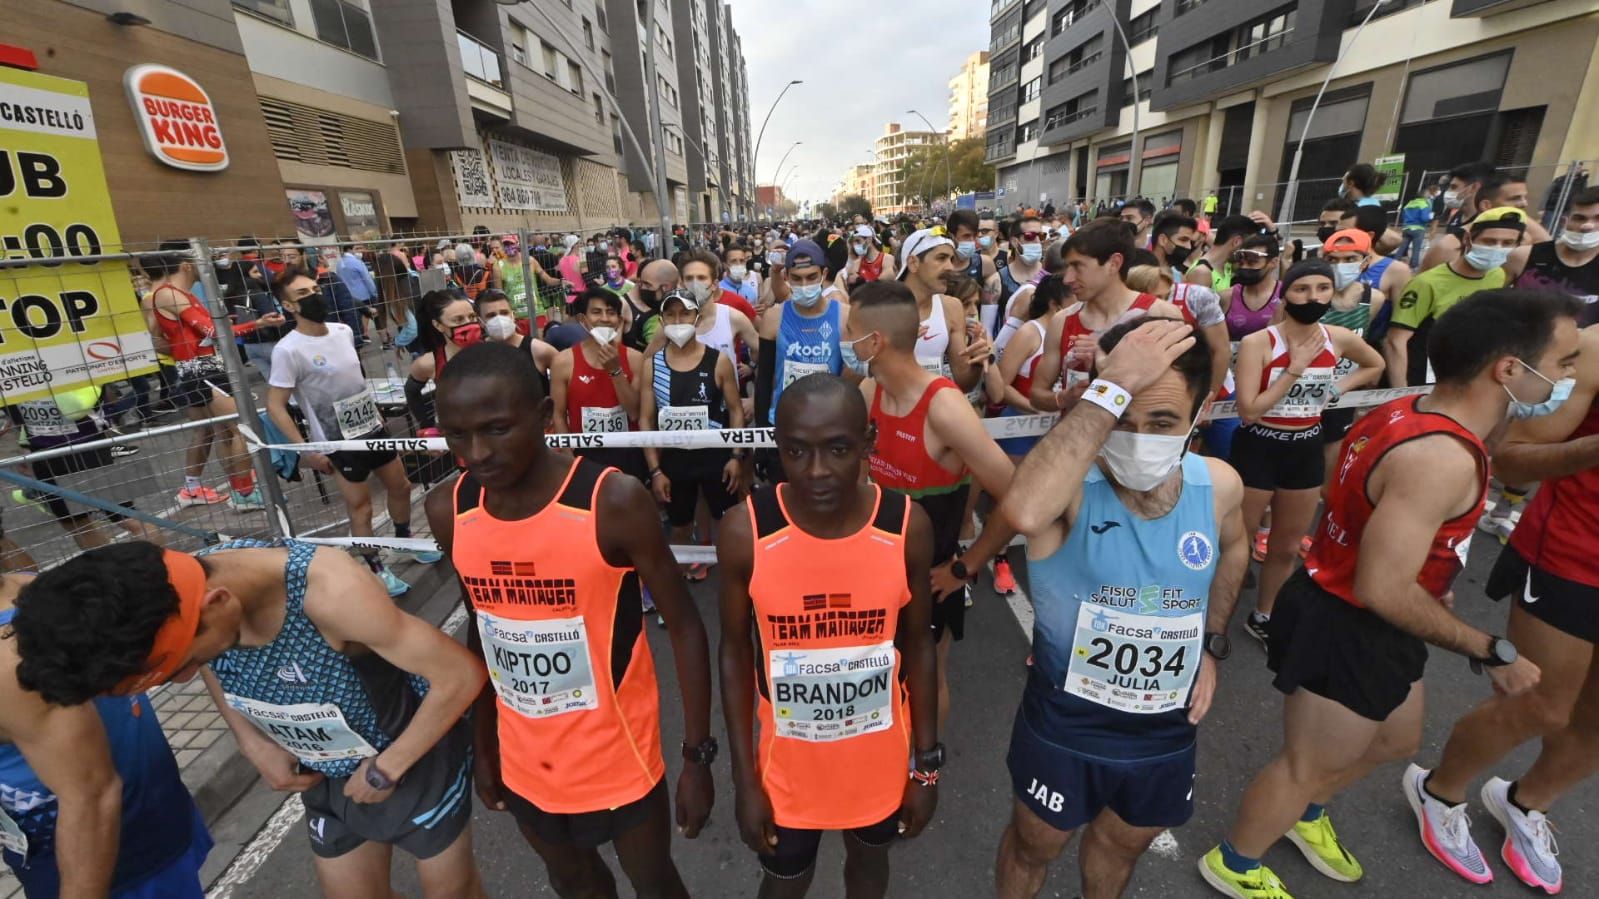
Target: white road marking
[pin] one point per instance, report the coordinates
(1021, 606)
(269, 837)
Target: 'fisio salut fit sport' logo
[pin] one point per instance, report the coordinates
(1195, 550)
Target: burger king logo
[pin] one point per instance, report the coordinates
(176, 119)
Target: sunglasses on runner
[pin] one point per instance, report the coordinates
(1258, 257)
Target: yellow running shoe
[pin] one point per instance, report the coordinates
(1260, 883)
(1319, 843)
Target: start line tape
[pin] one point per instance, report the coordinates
(730, 438)
(687, 555)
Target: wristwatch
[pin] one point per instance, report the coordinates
(1218, 646)
(703, 754)
(376, 779)
(1501, 652)
(959, 569)
(929, 759)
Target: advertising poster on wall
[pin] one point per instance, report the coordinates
(361, 218)
(527, 178)
(313, 220)
(471, 178)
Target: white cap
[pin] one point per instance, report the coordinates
(865, 231)
(569, 241)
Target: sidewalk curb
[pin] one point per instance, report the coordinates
(222, 775)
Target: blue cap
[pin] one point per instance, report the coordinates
(806, 252)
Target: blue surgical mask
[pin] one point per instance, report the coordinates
(966, 248)
(846, 352)
(805, 295)
(1487, 258)
(1559, 391)
(1032, 252)
(985, 241)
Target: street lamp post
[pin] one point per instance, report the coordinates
(1291, 190)
(1135, 168)
(948, 173)
(783, 160)
(755, 157)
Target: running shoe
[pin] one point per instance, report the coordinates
(1259, 549)
(1004, 578)
(1318, 842)
(1256, 627)
(205, 496)
(966, 593)
(1260, 883)
(1445, 829)
(392, 582)
(247, 502)
(1529, 848)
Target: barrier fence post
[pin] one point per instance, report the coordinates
(532, 288)
(238, 379)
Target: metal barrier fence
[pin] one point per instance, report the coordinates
(1549, 187)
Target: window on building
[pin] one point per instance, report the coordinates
(588, 34)
(1030, 90)
(1027, 131)
(1033, 49)
(1256, 37)
(1142, 28)
(344, 25)
(1361, 8)
(1146, 85)
(552, 62)
(599, 110)
(1466, 88)
(1188, 5)
(574, 78)
(276, 10)
(599, 14)
(1264, 34)
(610, 74)
(1059, 69)
(518, 45)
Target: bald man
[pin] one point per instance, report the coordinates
(929, 446)
(641, 313)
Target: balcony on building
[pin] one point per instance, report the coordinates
(1212, 47)
(1084, 65)
(1473, 9)
(486, 85)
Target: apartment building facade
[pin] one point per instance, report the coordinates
(889, 152)
(1224, 93)
(968, 98)
(369, 117)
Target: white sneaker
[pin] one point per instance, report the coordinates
(1445, 829)
(1529, 847)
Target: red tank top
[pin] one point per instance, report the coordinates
(190, 334)
(563, 637)
(1023, 382)
(835, 725)
(1332, 559)
(592, 406)
(901, 462)
(1560, 527)
(1075, 328)
(1300, 408)
(871, 271)
(1179, 298)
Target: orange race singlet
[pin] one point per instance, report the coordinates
(835, 724)
(562, 631)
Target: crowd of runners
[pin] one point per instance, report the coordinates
(887, 357)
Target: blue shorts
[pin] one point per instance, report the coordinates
(1066, 790)
(181, 878)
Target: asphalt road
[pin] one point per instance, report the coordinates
(954, 857)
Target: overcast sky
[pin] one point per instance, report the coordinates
(864, 64)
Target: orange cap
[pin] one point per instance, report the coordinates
(176, 636)
(1349, 240)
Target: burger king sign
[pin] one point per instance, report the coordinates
(176, 118)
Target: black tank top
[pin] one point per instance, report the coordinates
(680, 397)
(634, 335)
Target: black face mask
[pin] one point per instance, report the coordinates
(313, 307)
(1324, 232)
(1248, 276)
(1306, 313)
(1178, 255)
(651, 298)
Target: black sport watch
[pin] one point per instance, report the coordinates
(1218, 646)
(703, 754)
(929, 759)
(1501, 652)
(959, 569)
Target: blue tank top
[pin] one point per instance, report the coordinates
(1372, 276)
(974, 269)
(1120, 621)
(805, 346)
(157, 813)
(329, 709)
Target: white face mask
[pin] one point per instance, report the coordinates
(1580, 241)
(699, 290)
(603, 334)
(737, 272)
(500, 327)
(679, 334)
(1345, 274)
(1452, 199)
(1140, 462)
